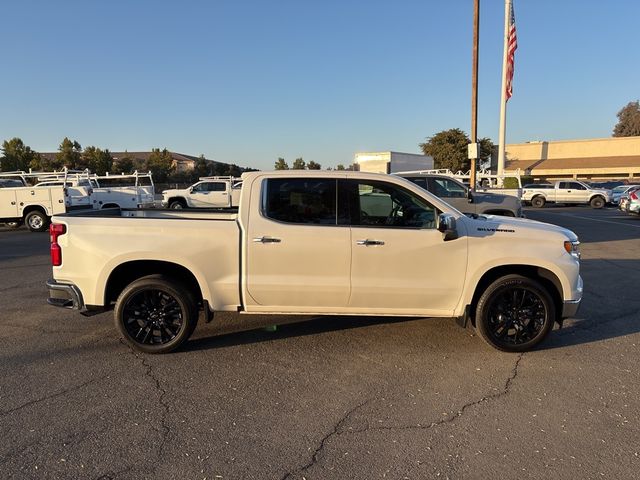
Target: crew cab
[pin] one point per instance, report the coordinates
(566, 191)
(317, 243)
(209, 192)
(459, 196)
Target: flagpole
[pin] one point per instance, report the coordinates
(503, 96)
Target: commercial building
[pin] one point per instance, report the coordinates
(391, 162)
(594, 159)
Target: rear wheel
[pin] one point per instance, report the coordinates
(155, 314)
(36, 221)
(538, 202)
(597, 202)
(514, 314)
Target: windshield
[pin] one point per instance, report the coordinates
(620, 189)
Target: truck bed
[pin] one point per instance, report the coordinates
(157, 213)
(203, 242)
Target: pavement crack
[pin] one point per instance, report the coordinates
(54, 395)
(315, 458)
(149, 372)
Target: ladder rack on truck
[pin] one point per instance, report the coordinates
(41, 195)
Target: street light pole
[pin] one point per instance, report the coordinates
(474, 147)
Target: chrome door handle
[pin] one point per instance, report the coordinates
(225, 193)
(368, 242)
(266, 240)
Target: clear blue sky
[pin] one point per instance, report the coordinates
(249, 81)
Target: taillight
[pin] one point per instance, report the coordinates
(55, 230)
(634, 195)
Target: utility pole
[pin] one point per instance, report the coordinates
(474, 148)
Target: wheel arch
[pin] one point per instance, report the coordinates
(178, 198)
(128, 272)
(546, 277)
(31, 208)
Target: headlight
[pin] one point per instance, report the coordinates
(573, 248)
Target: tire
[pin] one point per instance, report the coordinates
(13, 225)
(177, 205)
(510, 327)
(538, 202)
(597, 202)
(156, 314)
(36, 221)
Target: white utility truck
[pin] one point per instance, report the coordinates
(316, 243)
(567, 191)
(123, 191)
(209, 192)
(33, 198)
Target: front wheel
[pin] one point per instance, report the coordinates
(155, 314)
(538, 202)
(597, 202)
(36, 221)
(514, 313)
(177, 205)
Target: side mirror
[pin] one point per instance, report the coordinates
(447, 226)
(190, 189)
(470, 198)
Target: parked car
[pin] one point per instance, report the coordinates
(209, 192)
(606, 185)
(571, 192)
(458, 196)
(630, 202)
(313, 242)
(619, 191)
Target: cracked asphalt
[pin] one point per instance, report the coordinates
(325, 398)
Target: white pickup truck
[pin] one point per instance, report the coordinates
(316, 243)
(209, 192)
(566, 191)
(22, 202)
(123, 191)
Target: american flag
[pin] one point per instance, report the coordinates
(512, 44)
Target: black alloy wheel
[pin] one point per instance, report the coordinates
(155, 314)
(514, 314)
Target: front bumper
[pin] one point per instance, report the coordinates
(570, 307)
(65, 295)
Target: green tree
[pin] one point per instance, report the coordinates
(160, 164)
(16, 155)
(628, 121)
(281, 164)
(201, 168)
(299, 164)
(69, 155)
(340, 167)
(96, 160)
(313, 165)
(449, 149)
(123, 165)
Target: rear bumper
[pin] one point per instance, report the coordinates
(65, 295)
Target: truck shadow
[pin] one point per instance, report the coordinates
(300, 328)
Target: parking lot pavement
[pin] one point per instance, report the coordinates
(325, 398)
